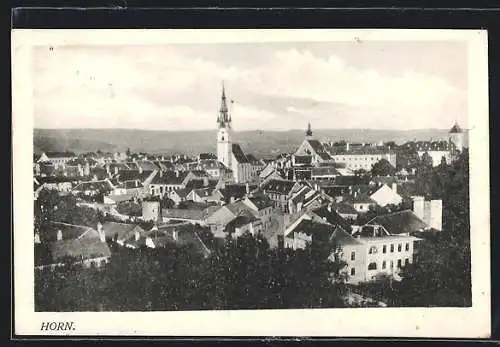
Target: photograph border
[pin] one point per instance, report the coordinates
(471, 322)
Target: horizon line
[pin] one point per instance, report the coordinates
(246, 130)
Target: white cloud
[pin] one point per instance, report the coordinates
(127, 87)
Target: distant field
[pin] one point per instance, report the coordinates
(260, 143)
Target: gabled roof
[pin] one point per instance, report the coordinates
(68, 231)
(123, 231)
(318, 231)
(182, 193)
(238, 154)
(169, 177)
(303, 159)
(331, 216)
(319, 149)
(324, 171)
(360, 198)
(343, 208)
(94, 185)
(236, 191)
(204, 192)
(189, 214)
(261, 201)
(341, 237)
(400, 222)
(279, 186)
(240, 221)
(82, 248)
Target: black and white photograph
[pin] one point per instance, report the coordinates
(243, 172)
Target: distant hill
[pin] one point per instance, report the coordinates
(258, 142)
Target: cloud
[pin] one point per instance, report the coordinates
(166, 88)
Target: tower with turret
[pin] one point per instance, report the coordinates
(224, 135)
(456, 136)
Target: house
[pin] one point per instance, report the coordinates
(68, 243)
(360, 201)
(93, 188)
(120, 233)
(400, 223)
(183, 234)
(200, 195)
(179, 195)
(312, 148)
(193, 214)
(436, 150)
(304, 198)
(361, 156)
(280, 191)
(346, 211)
(324, 173)
(165, 182)
(58, 159)
(242, 224)
(306, 230)
(233, 192)
(262, 207)
(383, 195)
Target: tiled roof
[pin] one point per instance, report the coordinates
(238, 154)
(360, 198)
(130, 175)
(427, 146)
(399, 222)
(60, 154)
(68, 231)
(358, 150)
(343, 208)
(341, 237)
(94, 185)
(332, 217)
(190, 214)
(182, 192)
(236, 191)
(240, 221)
(203, 193)
(318, 231)
(261, 201)
(319, 149)
(169, 177)
(324, 171)
(83, 248)
(302, 174)
(279, 186)
(123, 231)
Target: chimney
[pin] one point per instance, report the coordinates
(37, 238)
(102, 235)
(231, 200)
(161, 173)
(137, 235)
(59, 235)
(355, 194)
(205, 181)
(329, 207)
(347, 147)
(175, 234)
(108, 171)
(140, 169)
(247, 186)
(116, 170)
(395, 187)
(176, 173)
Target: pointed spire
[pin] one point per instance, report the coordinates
(223, 119)
(309, 131)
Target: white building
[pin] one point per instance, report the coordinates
(228, 153)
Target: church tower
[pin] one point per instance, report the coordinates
(224, 151)
(456, 136)
(309, 132)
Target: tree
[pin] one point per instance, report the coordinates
(383, 168)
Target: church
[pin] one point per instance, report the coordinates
(228, 153)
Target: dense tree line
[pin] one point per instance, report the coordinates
(442, 275)
(240, 274)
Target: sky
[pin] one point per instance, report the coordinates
(274, 86)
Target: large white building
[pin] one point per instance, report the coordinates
(228, 153)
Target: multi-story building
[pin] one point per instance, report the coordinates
(361, 156)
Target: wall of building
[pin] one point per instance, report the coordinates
(151, 211)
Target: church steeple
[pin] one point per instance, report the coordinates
(224, 119)
(309, 132)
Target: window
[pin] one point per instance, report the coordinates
(353, 255)
(392, 248)
(353, 271)
(399, 248)
(407, 261)
(383, 265)
(399, 263)
(384, 249)
(407, 247)
(372, 266)
(392, 264)
(372, 250)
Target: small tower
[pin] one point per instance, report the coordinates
(456, 136)
(309, 132)
(224, 134)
